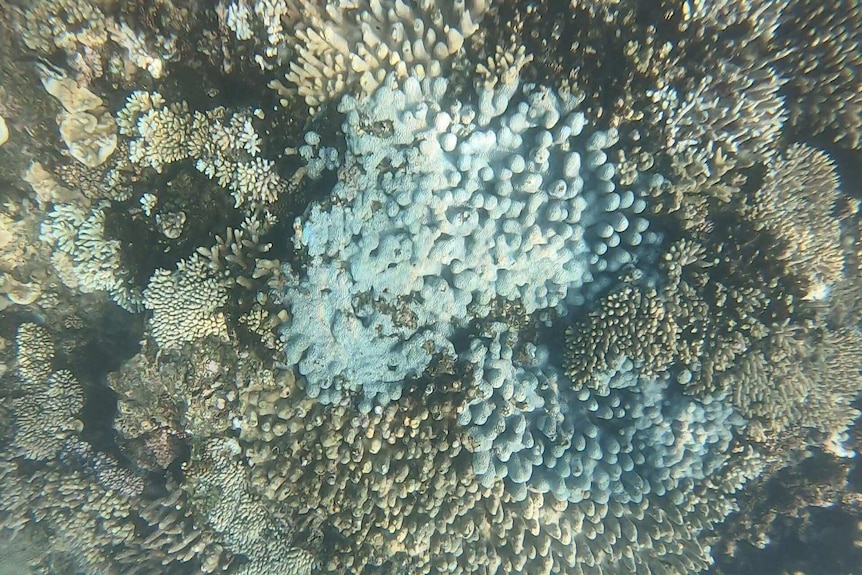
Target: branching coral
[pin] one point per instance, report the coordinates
(330, 49)
(186, 304)
(817, 50)
(351, 361)
(224, 146)
(796, 204)
(84, 258)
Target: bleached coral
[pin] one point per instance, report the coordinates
(445, 209)
(47, 416)
(4, 131)
(48, 190)
(528, 426)
(70, 25)
(137, 49)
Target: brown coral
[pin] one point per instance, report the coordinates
(796, 205)
(692, 322)
(817, 49)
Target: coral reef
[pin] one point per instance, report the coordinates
(796, 204)
(83, 257)
(225, 148)
(185, 304)
(329, 49)
(410, 286)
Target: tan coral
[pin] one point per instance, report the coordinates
(89, 131)
(393, 483)
(48, 189)
(817, 48)
(222, 496)
(334, 50)
(795, 204)
(186, 304)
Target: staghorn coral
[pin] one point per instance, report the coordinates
(784, 383)
(796, 205)
(816, 47)
(691, 322)
(726, 338)
(703, 125)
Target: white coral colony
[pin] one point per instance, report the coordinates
(451, 207)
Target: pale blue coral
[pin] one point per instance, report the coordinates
(529, 427)
(441, 209)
